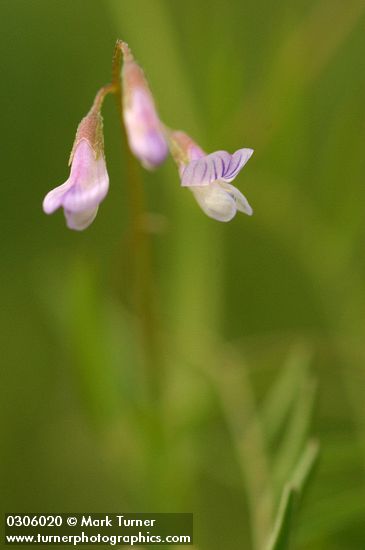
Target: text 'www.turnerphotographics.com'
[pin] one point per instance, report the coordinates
(99, 528)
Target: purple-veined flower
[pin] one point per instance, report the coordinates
(208, 177)
(88, 182)
(144, 129)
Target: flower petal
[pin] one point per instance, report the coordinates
(53, 199)
(219, 165)
(238, 160)
(196, 173)
(89, 189)
(240, 200)
(144, 129)
(80, 220)
(150, 148)
(215, 202)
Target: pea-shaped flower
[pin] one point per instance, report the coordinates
(88, 183)
(209, 177)
(144, 129)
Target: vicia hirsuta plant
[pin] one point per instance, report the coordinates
(209, 177)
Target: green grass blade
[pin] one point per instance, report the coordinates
(275, 409)
(280, 537)
(296, 432)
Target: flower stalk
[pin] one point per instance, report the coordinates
(140, 244)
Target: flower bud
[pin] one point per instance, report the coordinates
(144, 128)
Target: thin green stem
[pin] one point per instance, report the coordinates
(140, 260)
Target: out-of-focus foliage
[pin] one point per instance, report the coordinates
(259, 323)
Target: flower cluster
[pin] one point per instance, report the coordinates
(208, 177)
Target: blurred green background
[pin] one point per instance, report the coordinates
(258, 325)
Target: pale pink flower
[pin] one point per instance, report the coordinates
(88, 182)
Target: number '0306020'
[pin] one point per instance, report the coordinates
(33, 521)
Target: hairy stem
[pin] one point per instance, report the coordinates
(100, 96)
